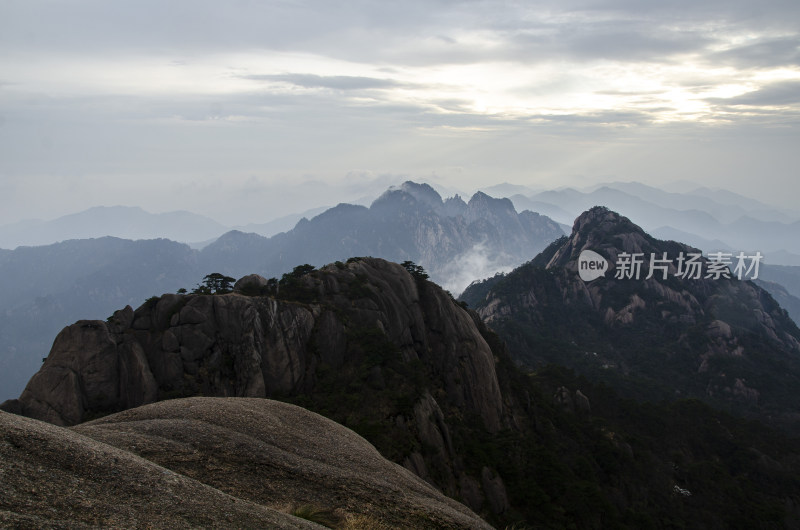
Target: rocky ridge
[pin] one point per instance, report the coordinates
(453, 240)
(723, 340)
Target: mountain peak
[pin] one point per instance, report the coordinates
(482, 204)
(655, 311)
(423, 193)
(410, 192)
(602, 230)
(601, 218)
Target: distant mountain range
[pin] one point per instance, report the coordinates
(118, 221)
(47, 287)
(126, 222)
(454, 240)
(709, 219)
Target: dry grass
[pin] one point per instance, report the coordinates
(335, 518)
(363, 522)
(323, 516)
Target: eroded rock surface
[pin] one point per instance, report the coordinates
(208, 462)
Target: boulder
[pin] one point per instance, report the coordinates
(250, 284)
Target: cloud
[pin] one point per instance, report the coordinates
(475, 263)
(336, 82)
(777, 94)
(766, 53)
(617, 40)
(154, 92)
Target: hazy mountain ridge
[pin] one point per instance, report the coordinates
(410, 222)
(134, 223)
(124, 222)
(787, 276)
(46, 288)
(726, 341)
(735, 221)
(685, 212)
(787, 301)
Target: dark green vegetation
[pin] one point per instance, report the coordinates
(639, 465)
(726, 342)
(620, 464)
(214, 283)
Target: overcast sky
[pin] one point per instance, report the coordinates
(246, 110)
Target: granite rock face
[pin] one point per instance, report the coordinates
(208, 462)
(250, 283)
(242, 346)
(234, 345)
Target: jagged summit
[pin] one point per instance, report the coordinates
(419, 195)
(424, 193)
(608, 233)
(482, 206)
(454, 206)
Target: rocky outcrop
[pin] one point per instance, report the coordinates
(208, 462)
(56, 478)
(566, 401)
(366, 325)
(250, 284)
(235, 345)
(704, 337)
(395, 359)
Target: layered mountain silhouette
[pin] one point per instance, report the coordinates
(722, 340)
(787, 300)
(48, 287)
(125, 222)
(709, 219)
(383, 351)
(454, 240)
